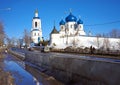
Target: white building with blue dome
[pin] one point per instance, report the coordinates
(72, 33)
(36, 31)
(71, 26)
(69, 29)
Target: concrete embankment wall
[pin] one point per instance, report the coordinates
(19, 55)
(70, 69)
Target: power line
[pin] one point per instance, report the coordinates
(113, 22)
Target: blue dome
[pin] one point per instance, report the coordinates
(71, 18)
(62, 22)
(79, 21)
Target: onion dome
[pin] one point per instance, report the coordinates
(71, 18)
(36, 15)
(79, 21)
(62, 22)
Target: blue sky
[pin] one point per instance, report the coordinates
(91, 12)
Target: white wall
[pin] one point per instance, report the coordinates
(38, 24)
(71, 27)
(84, 41)
(35, 37)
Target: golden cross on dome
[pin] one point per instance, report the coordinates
(36, 11)
(79, 16)
(70, 10)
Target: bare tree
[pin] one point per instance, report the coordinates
(2, 34)
(118, 44)
(97, 42)
(8, 42)
(18, 42)
(106, 44)
(73, 42)
(115, 33)
(14, 41)
(26, 37)
(11, 42)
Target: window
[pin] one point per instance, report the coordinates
(75, 25)
(34, 34)
(35, 24)
(67, 26)
(80, 26)
(70, 26)
(62, 28)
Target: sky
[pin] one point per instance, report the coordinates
(17, 15)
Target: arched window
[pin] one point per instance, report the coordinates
(61, 27)
(34, 34)
(79, 26)
(67, 26)
(35, 24)
(70, 26)
(38, 39)
(75, 25)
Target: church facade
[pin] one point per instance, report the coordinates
(36, 30)
(72, 34)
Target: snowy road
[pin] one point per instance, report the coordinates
(21, 51)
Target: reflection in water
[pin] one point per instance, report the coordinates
(5, 76)
(24, 74)
(41, 77)
(17, 69)
(21, 76)
(36, 81)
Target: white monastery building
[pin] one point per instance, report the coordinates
(72, 34)
(36, 31)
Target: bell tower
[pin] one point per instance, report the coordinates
(36, 31)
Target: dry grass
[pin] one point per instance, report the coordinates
(6, 78)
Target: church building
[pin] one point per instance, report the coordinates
(69, 29)
(36, 30)
(72, 33)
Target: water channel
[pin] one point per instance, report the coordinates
(25, 74)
